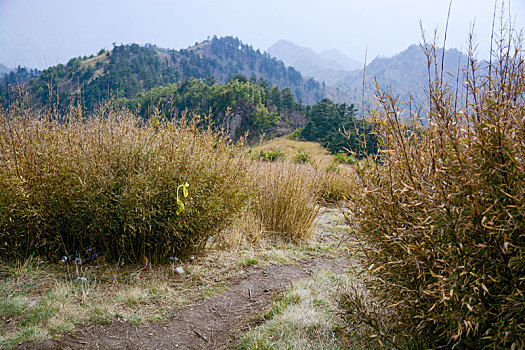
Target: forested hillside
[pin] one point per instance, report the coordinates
(250, 105)
(10, 81)
(127, 70)
(238, 106)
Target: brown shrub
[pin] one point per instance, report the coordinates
(286, 198)
(443, 212)
(111, 183)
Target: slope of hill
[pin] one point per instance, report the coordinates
(4, 69)
(326, 66)
(239, 106)
(337, 57)
(403, 74)
(127, 70)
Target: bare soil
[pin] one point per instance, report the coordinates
(215, 323)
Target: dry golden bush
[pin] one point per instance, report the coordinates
(111, 183)
(442, 214)
(286, 198)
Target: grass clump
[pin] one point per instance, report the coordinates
(335, 185)
(336, 178)
(248, 262)
(110, 183)
(296, 134)
(286, 199)
(343, 158)
(443, 212)
(301, 318)
(271, 156)
(302, 156)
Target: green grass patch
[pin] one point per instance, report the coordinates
(301, 318)
(210, 292)
(248, 262)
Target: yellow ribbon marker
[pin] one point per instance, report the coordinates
(184, 187)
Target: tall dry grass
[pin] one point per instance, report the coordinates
(286, 198)
(111, 182)
(442, 215)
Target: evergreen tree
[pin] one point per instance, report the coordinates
(334, 126)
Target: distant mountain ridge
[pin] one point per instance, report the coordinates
(337, 57)
(326, 66)
(404, 75)
(4, 69)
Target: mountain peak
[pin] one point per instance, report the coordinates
(324, 66)
(334, 55)
(282, 42)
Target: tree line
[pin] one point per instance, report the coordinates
(210, 78)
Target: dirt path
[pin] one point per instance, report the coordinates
(211, 324)
(215, 323)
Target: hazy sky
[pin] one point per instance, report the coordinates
(40, 33)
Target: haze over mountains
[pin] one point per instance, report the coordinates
(310, 75)
(324, 66)
(4, 69)
(403, 74)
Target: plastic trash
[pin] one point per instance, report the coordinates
(91, 253)
(179, 270)
(65, 259)
(94, 256)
